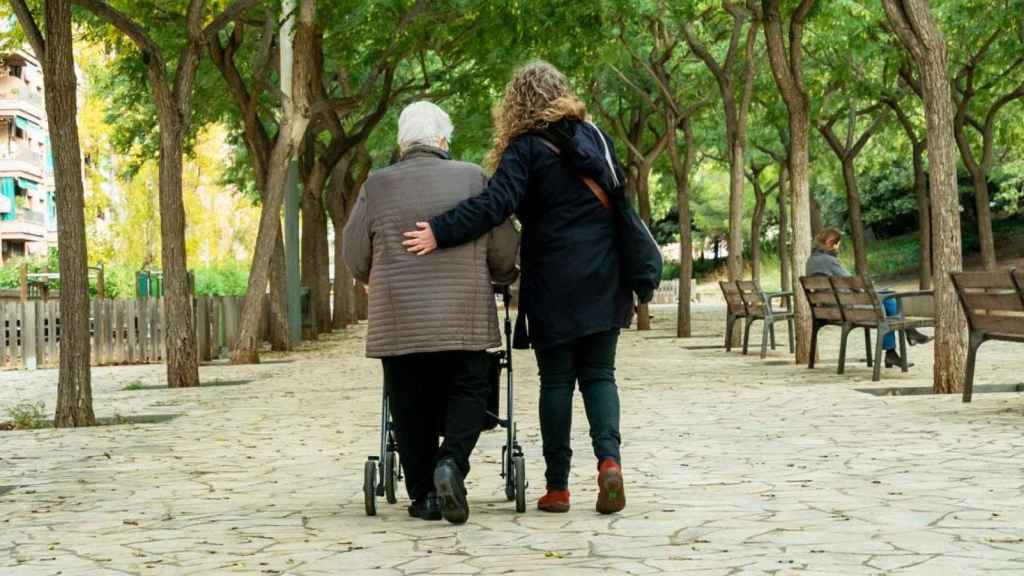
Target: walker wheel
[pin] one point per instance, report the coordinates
(370, 487)
(519, 465)
(390, 477)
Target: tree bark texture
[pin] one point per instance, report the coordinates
(293, 126)
(924, 218)
(280, 340)
(785, 272)
(787, 63)
(915, 27)
(55, 52)
(682, 165)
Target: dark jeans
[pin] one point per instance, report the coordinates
(430, 395)
(590, 361)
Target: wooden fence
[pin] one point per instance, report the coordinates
(121, 331)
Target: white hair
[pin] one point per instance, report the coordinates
(423, 123)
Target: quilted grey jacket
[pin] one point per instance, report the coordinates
(440, 302)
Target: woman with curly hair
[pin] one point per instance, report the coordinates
(573, 299)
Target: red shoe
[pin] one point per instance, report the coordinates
(554, 501)
(611, 496)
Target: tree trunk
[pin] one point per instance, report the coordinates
(981, 201)
(855, 216)
(642, 188)
(74, 387)
(923, 218)
(785, 274)
(312, 227)
(179, 331)
(293, 126)
(816, 223)
(280, 340)
(344, 305)
(681, 167)
(913, 24)
(756, 223)
(799, 158)
(735, 258)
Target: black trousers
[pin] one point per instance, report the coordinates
(434, 394)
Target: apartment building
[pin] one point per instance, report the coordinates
(28, 214)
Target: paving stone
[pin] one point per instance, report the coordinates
(733, 466)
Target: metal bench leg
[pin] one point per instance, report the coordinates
(867, 345)
(766, 329)
(791, 326)
(814, 344)
(771, 328)
(972, 355)
(842, 348)
(746, 334)
(879, 357)
(904, 362)
(730, 321)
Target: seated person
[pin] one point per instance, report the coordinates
(824, 261)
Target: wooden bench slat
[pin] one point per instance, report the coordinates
(990, 279)
(820, 297)
(992, 324)
(824, 313)
(978, 301)
(855, 298)
(816, 283)
(861, 315)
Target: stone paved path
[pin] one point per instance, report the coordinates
(734, 466)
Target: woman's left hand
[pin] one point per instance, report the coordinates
(422, 241)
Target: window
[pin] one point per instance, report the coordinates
(19, 134)
(15, 71)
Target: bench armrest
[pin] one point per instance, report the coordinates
(902, 295)
(786, 297)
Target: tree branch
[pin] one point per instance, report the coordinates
(31, 28)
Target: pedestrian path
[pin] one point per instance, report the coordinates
(733, 465)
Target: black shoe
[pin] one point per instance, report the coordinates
(914, 337)
(426, 508)
(892, 359)
(451, 491)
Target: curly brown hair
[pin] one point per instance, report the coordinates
(537, 95)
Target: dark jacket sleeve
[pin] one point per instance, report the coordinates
(474, 217)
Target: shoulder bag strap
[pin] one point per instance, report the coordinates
(594, 186)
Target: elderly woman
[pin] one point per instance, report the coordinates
(573, 296)
(824, 261)
(430, 322)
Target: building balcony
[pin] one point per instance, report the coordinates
(27, 225)
(28, 104)
(22, 161)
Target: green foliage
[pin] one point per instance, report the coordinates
(226, 280)
(28, 415)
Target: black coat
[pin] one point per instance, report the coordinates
(571, 281)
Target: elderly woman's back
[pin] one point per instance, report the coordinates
(425, 305)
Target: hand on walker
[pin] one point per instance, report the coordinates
(422, 241)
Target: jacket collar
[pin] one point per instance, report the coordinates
(424, 151)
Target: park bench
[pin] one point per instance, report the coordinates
(735, 309)
(825, 311)
(759, 306)
(994, 305)
(861, 307)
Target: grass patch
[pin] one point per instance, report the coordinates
(135, 385)
(27, 416)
